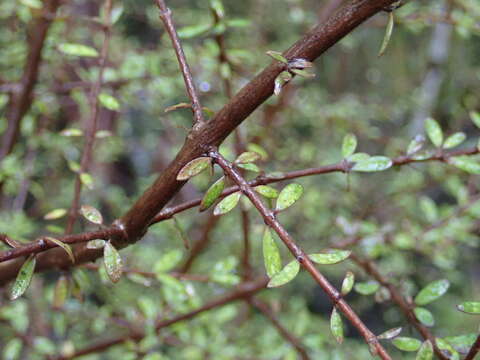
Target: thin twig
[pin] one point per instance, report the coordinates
(244, 290)
(300, 255)
(166, 16)
(474, 349)
(91, 127)
(397, 297)
(287, 335)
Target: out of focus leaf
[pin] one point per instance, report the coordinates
(426, 351)
(434, 132)
(424, 316)
(349, 145)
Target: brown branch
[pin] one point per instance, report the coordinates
(166, 16)
(244, 290)
(300, 255)
(91, 127)
(405, 307)
(287, 335)
(116, 232)
(21, 98)
(135, 222)
(473, 350)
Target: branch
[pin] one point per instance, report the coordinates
(300, 255)
(473, 350)
(292, 339)
(135, 222)
(397, 297)
(244, 290)
(91, 127)
(166, 16)
(21, 99)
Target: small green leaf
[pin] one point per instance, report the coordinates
(193, 168)
(447, 349)
(112, 261)
(277, 56)
(287, 274)
(348, 282)
(432, 292)
(454, 140)
(267, 191)
(91, 214)
(330, 256)
(349, 145)
(24, 277)
(96, 244)
(373, 163)
(429, 208)
(434, 132)
(283, 78)
(212, 194)
(367, 287)
(71, 132)
(189, 32)
(227, 204)
(61, 292)
(249, 167)
(77, 50)
(465, 163)
(406, 343)
(55, 214)
(108, 101)
(271, 255)
(470, 307)
(336, 326)
(62, 245)
(425, 352)
(388, 34)
(475, 117)
(247, 157)
(358, 157)
(288, 196)
(86, 180)
(101, 134)
(390, 334)
(416, 144)
(168, 261)
(424, 316)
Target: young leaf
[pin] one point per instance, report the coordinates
(432, 292)
(416, 144)
(358, 157)
(267, 191)
(424, 316)
(283, 78)
(96, 244)
(454, 140)
(288, 196)
(212, 194)
(287, 274)
(347, 283)
(55, 214)
(112, 261)
(91, 214)
(227, 204)
(299, 63)
(475, 117)
(277, 56)
(77, 50)
(425, 352)
(86, 180)
(24, 277)
(271, 255)
(465, 163)
(349, 145)
(336, 325)
(247, 157)
(62, 245)
(373, 163)
(330, 256)
(390, 334)
(193, 168)
(470, 307)
(61, 292)
(388, 34)
(434, 132)
(367, 288)
(108, 101)
(406, 343)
